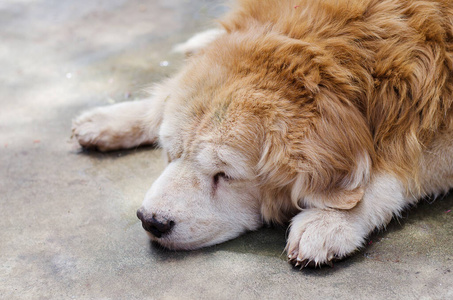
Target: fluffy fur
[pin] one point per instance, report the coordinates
(333, 114)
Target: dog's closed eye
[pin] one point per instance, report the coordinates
(220, 176)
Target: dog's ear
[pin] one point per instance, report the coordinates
(322, 157)
(337, 153)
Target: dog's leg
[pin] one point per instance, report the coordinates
(119, 126)
(319, 235)
(198, 41)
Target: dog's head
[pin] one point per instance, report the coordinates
(255, 127)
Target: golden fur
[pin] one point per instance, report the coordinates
(365, 77)
(337, 112)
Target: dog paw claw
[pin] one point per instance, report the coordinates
(317, 237)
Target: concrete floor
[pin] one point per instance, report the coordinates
(67, 217)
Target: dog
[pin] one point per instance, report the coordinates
(333, 115)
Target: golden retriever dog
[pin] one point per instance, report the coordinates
(333, 115)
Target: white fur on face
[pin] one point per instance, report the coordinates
(206, 209)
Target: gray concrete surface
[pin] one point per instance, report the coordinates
(67, 217)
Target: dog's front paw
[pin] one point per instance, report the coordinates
(94, 129)
(317, 236)
(112, 127)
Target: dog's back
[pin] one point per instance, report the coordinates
(392, 59)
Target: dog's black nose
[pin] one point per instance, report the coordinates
(157, 227)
